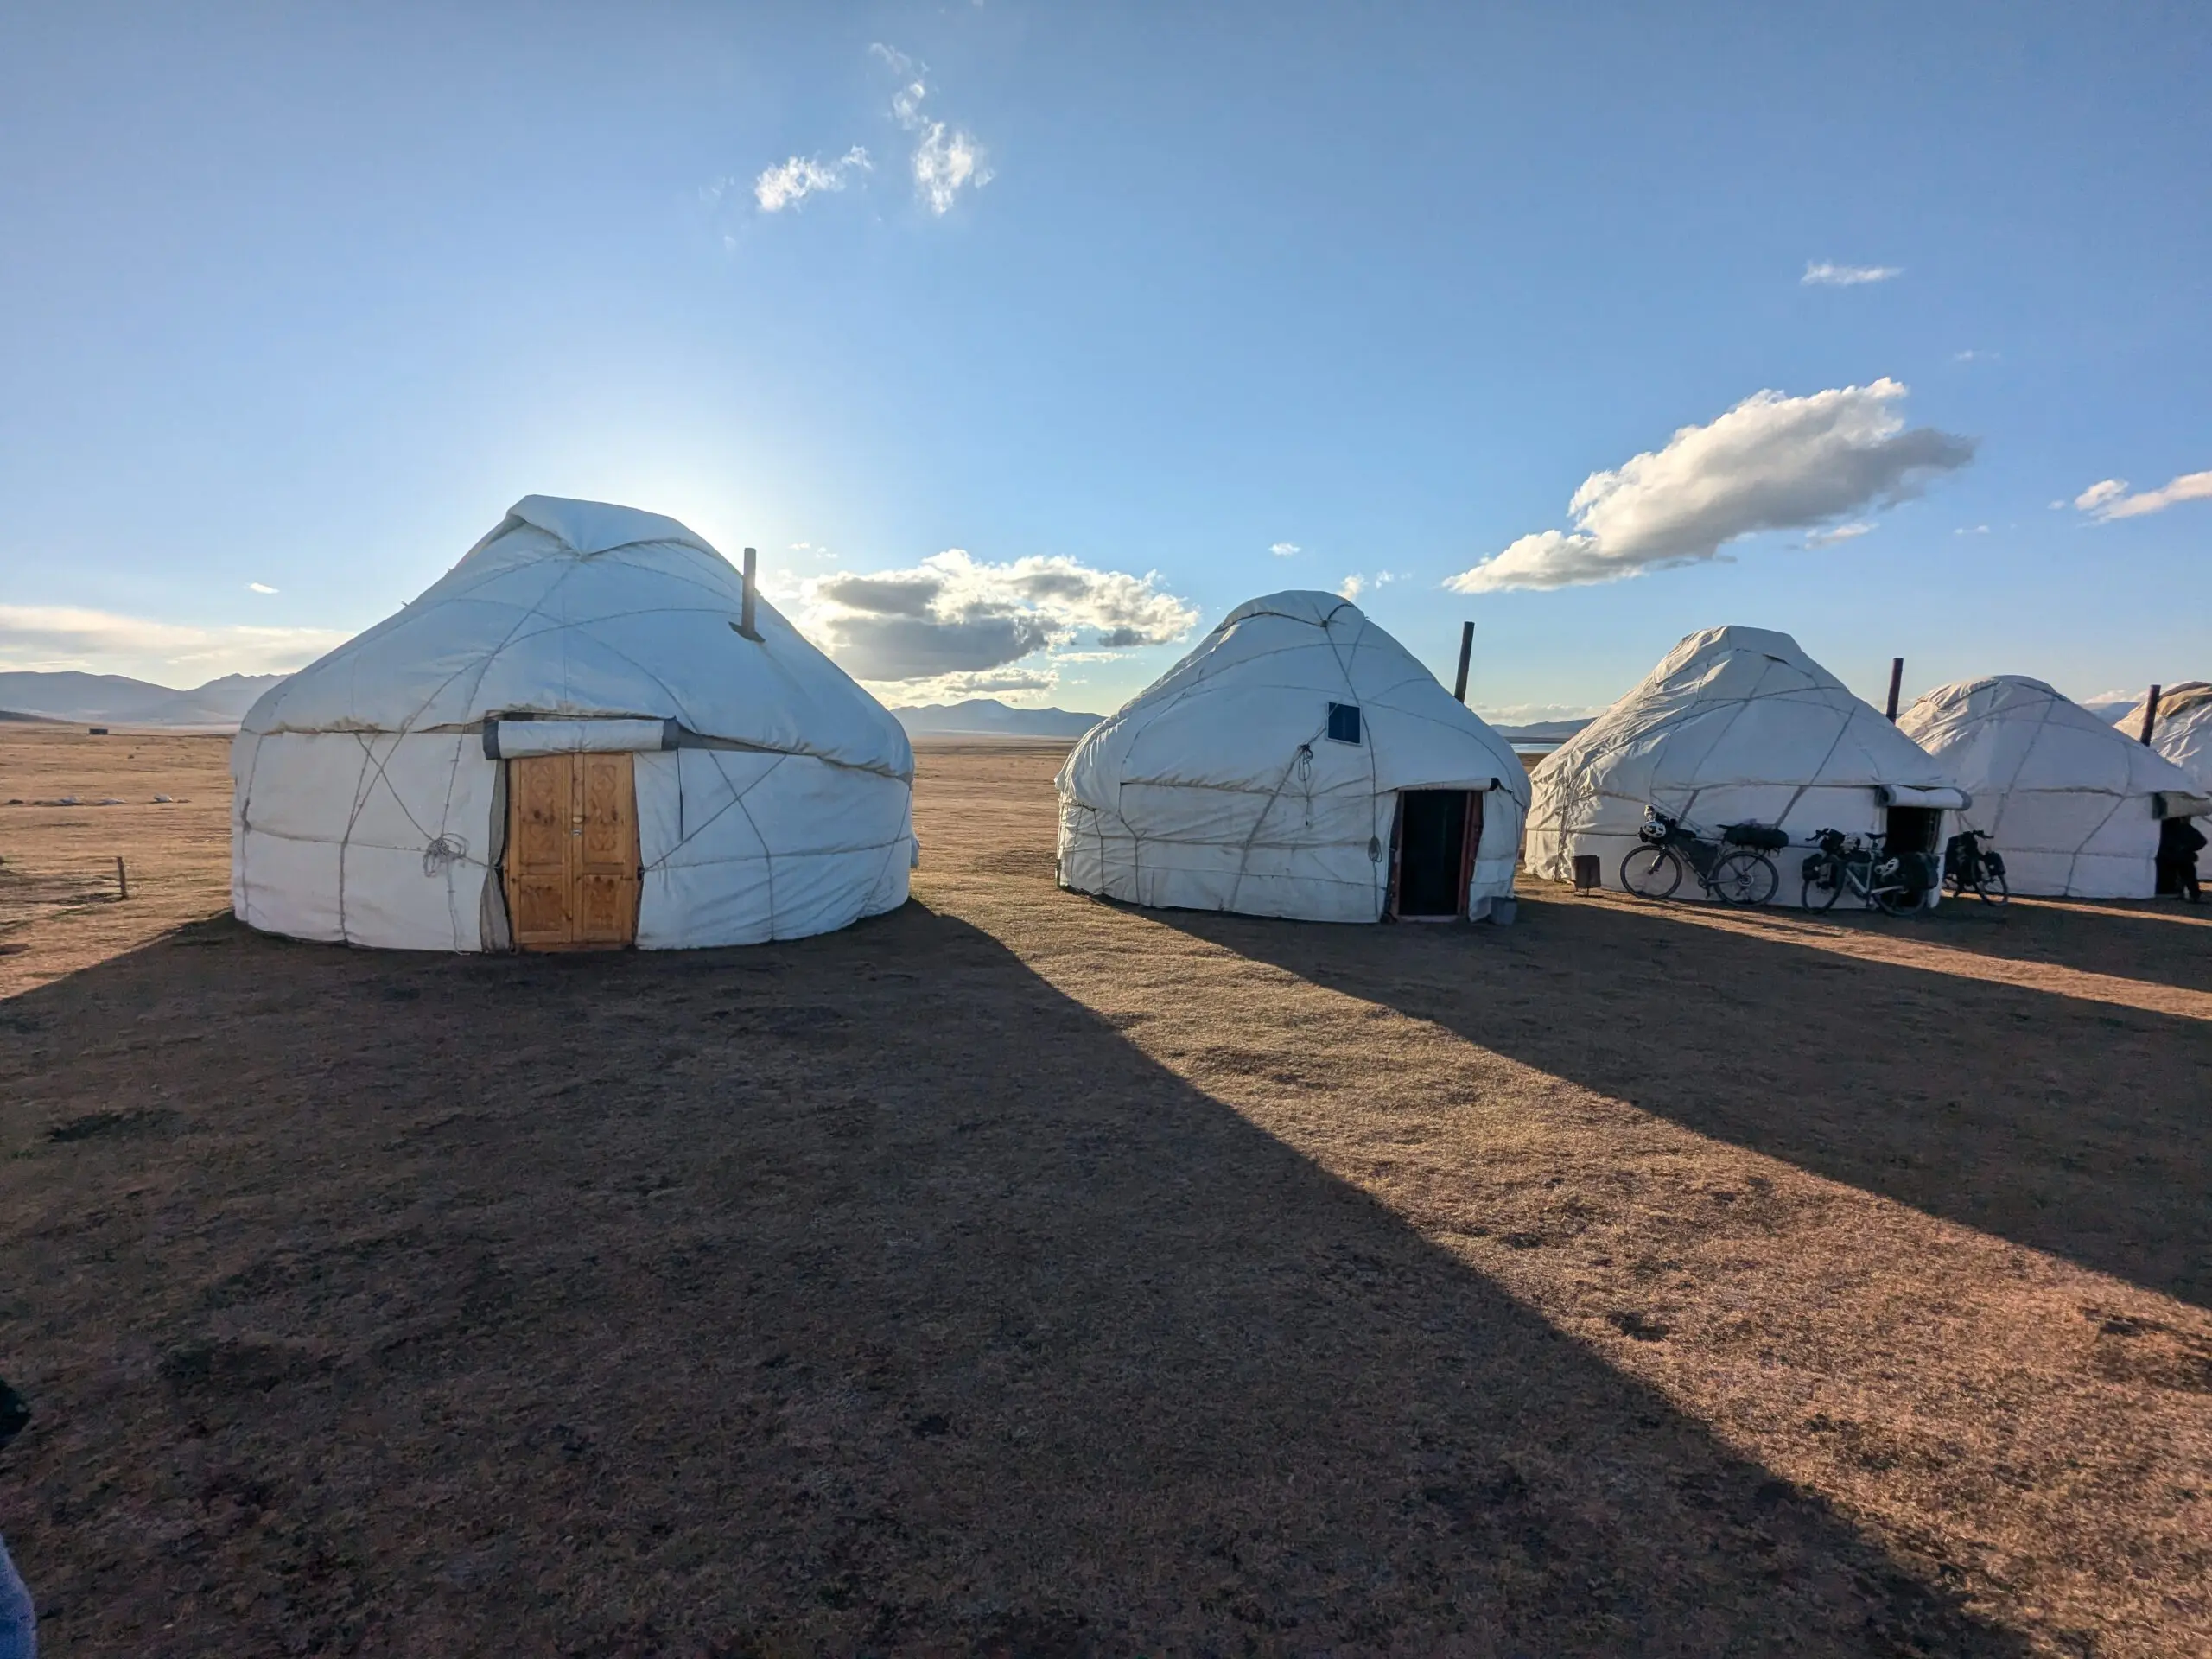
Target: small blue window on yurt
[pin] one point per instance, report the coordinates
(1344, 722)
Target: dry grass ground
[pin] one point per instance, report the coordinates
(1021, 1273)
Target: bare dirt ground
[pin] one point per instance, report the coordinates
(1021, 1273)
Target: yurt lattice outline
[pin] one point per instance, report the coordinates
(1735, 725)
(1285, 767)
(2073, 804)
(572, 740)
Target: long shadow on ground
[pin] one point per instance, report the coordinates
(2069, 1126)
(862, 1292)
(2166, 943)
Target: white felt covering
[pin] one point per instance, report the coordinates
(2183, 730)
(1734, 725)
(2068, 800)
(366, 811)
(1218, 787)
(518, 737)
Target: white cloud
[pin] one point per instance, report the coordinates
(1971, 529)
(1283, 549)
(942, 163)
(1353, 586)
(947, 159)
(259, 588)
(1021, 686)
(1824, 275)
(1841, 533)
(1977, 357)
(2109, 500)
(954, 614)
(778, 187)
(53, 637)
(1770, 463)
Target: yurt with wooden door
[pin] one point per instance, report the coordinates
(571, 740)
(2074, 804)
(1299, 763)
(1736, 725)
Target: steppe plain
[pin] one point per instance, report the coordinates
(1020, 1273)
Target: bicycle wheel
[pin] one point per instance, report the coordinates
(1823, 882)
(1743, 878)
(1652, 872)
(1991, 888)
(1898, 901)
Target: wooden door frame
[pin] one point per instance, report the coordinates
(1470, 841)
(573, 876)
(1397, 851)
(1471, 835)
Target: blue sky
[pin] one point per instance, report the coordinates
(1121, 298)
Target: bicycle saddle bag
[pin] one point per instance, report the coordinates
(1764, 836)
(1916, 872)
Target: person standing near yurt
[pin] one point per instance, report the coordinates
(1738, 725)
(587, 734)
(1299, 763)
(2181, 730)
(2075, 805)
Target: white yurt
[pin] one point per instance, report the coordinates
(2181, 729)
(569, 741)
(1300, 763)
(2074, 804)
(1736, 725)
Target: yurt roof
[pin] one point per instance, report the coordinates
(581, 609)
(1734, 706)
(2175, 701)
(2007, 732)
(2182, 732)
(1255, 688)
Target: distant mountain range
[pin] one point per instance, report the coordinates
(1541, 731)
(989, 717)
(114, 699)
(100, 698)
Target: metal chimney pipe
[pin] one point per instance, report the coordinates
(2150, 714)
(752, 586)
(1897, 679)
(1467, 650)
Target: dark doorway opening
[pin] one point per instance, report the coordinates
(1913, 829)
(1437, 832)
(2179, 841)
(1914, 835)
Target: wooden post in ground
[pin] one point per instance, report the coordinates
(1467, 650)
(122, 879)
(1897, 679)
(2150, 715)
